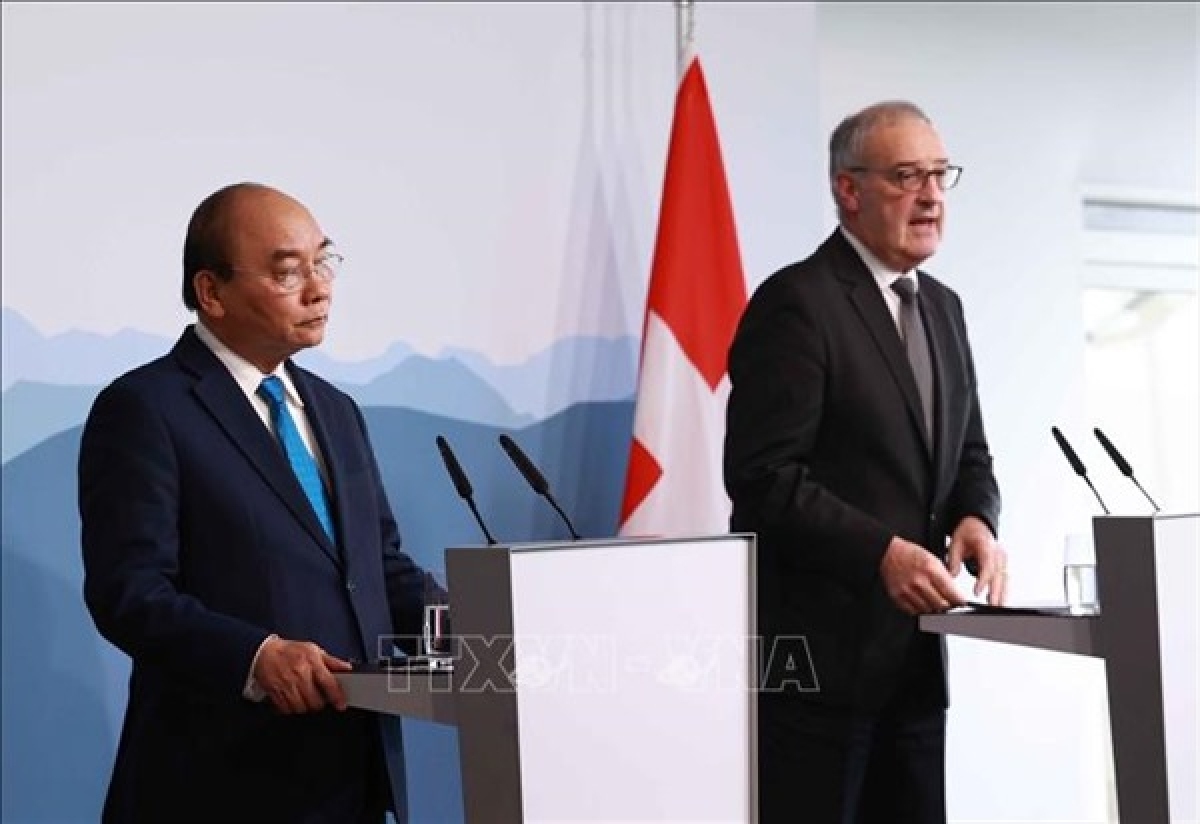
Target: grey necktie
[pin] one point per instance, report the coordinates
(912, 329)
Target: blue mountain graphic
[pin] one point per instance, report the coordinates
(440, 387)
(83, 358)
(582, 451)
(570, 371)
(34, 411)
(63, 683)
(353, 372)
(71, 358)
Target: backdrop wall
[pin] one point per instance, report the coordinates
(1036, 101)
(492, 172)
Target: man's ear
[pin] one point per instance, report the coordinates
(849, 190)
(208, 293)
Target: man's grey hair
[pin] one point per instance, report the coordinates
(846, 142)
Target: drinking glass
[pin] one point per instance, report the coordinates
(1079, 574)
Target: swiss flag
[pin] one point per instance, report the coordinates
(697, 294)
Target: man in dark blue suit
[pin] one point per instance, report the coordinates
(239, 547)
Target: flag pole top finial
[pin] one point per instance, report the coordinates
(684, 34)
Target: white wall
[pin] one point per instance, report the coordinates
(476, 162)
(1034, 100)
(493, 173)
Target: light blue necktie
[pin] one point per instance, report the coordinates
(271, 390)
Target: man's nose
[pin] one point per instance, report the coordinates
(931, 190)
(317, 288)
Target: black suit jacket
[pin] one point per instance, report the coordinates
(826, 460)
(198, 542)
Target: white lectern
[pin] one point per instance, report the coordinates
(596, 680)
(1148, 576)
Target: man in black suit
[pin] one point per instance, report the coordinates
(855, 449)
(239, 547)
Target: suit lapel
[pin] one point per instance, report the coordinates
(937, 329)
(864, 296)
(219, 394)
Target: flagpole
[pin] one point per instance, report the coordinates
(683, 35)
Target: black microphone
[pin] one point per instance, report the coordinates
(1076, 464)
(1122, 464)
(535, 478)
(462, 484)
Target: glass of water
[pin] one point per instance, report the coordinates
(435, 642)
(1079, 574)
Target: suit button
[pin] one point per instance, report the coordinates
(351, 586)
(932, 518)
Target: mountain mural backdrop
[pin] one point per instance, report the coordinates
(570, 408)
(49, 382)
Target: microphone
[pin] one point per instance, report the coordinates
(1076, 464)
(535, 478)
(461, 484)
(1122, 464)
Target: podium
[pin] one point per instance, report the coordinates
(1148, 578)
(597, 680)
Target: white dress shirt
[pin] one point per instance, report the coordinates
(884, 277)
(248, 377)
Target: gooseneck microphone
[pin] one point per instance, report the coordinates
(535, 478)
(1122, 464)
(1076, 464)
(461, 484)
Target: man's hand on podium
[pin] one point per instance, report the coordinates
(973, 543)
(298, 676)
(916, 580)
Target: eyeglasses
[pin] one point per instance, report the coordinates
(292, 278)
(914, 178)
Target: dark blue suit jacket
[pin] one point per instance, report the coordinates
(198, 542)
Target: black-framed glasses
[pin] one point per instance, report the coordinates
(914, 178)
(292, 278)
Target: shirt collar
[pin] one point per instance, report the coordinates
(883, 275)
(247, 375)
